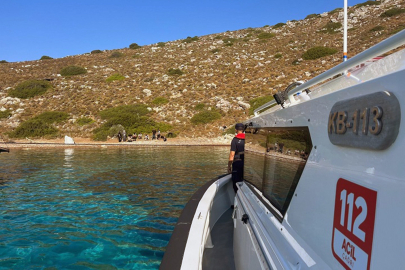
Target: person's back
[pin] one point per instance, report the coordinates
(237, 156)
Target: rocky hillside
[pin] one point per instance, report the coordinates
(222, 71)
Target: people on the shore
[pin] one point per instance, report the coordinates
(281, 146)
(156, 135)
(237, 155)
(304, 155)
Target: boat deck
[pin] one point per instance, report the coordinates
(221, 255)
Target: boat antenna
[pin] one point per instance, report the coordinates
(345, 31)
(348, 74)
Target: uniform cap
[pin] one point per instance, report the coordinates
(239, 126)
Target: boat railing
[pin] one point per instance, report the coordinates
(384, 46)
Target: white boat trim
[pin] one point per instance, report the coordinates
(192, 231)
(200, 227)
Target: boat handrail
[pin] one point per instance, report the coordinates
(384, 46)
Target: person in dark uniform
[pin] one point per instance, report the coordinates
(236, 156)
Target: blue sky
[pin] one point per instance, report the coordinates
(30, 29)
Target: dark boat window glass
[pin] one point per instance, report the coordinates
(255, 144)
(274, 161)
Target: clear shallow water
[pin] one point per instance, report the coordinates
(95, 208)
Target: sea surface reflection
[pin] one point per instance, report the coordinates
(96, 208)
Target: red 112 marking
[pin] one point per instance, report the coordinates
(360, 203)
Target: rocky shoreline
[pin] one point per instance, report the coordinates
(83, 142)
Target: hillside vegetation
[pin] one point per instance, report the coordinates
(191, 87)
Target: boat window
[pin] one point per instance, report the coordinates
(274, 161)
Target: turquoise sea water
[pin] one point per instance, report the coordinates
(97, 208)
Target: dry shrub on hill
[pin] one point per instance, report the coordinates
(190, 39)
(174, 72)
(331, 27)
(377, 28)
(72, 71)
(278, 25)
(160, 101)
(134, 46)
(51, 117)
(199, 106)
(318, 52)
(115, 77)
(45, 57)
(29, 89)
(265, 35)
(205, 117)
(5, 114)
(84, 121)
(116, 55)
(392, 12)
(40, 125)
(33, 128)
